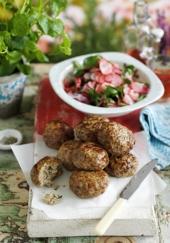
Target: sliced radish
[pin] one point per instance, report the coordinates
(133, 95)
(88, 86)
(80, 97)
(78, 82)
(105, 67)
(87, 76)
(139, 87)
(117, 81)
(128, 100)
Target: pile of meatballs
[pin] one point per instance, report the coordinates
(94, 150)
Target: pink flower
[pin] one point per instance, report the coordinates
(44, 43)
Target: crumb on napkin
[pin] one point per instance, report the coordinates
(51, 198)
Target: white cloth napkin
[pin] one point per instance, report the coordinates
(72, 207)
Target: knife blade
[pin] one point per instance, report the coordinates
(137, 180)
(126, 193)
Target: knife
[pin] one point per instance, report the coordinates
(131, 187)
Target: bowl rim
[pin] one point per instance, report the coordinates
(156, 86)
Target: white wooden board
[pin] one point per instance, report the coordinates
(137, 222)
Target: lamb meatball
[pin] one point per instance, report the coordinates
(88, 184)
(45, 171)
(122, 166)
(86, 130)
(56, 133)
(90, 156)
(65, 153)
(115, 138)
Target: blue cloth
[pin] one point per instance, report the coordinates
(155, 120)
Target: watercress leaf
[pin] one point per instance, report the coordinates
(57, 6)
(13, 57)
(26, 69)
(91, 62)
(127, 81)
(3, 26)
(78, 69)
(6, 68)
(55, 26)
(40, 56)
(110, 92)
(20, 25)
(141, 97)
(65, 46)
(3, 47)
(120, 91)
(130, 69)
(94, 97)
(43, 23)
(6, 36)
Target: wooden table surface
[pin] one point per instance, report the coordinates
(14, 189)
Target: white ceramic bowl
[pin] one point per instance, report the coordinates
(10, 133)
(59, 71)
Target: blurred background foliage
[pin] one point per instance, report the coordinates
(94, 34)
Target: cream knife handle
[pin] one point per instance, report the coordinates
(110, 216)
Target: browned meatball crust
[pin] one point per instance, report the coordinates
(88, 184)
(45, 171)
(56, 133)
(86, 129)
(115, 138)
(65, 153)
(89, 156)
(122, 166)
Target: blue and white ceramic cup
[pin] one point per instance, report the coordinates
(11, 91)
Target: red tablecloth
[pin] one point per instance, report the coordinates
(50, 106)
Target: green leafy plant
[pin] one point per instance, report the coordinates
(22, 23)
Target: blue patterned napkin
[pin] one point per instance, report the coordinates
(155, 120)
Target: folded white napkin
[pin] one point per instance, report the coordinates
(72, 207)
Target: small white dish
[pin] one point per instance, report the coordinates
(9, 133)
(59, 71)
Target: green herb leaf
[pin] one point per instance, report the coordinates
(13, 57)
(56, 27)
(20, 25)
(78, 69)
(65, 46)
(141, 97)
(22, 22)
(111, 92)
(3, 47)
(91, 62)
(94, 97)
(130, 69)
(43, 22)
